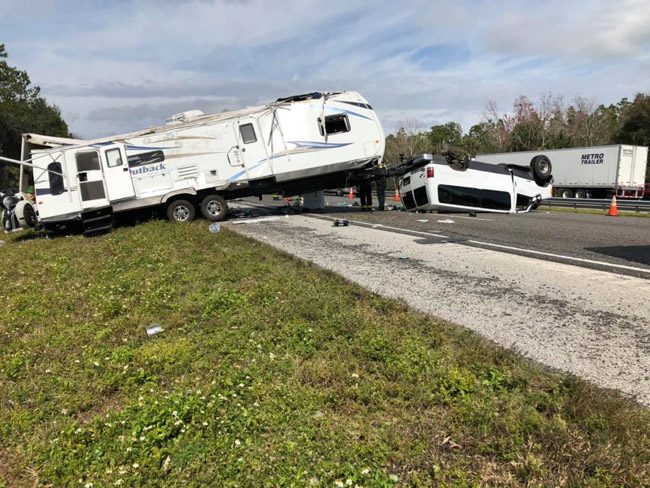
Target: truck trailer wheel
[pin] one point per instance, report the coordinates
(566, 193)
(580, 194)
(181, 211)
(214, 208)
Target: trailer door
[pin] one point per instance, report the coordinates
(119, 184)
(90, 178)
(253, 149)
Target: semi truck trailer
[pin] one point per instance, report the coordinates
(588, 172)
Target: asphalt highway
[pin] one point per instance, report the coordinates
(615, 244)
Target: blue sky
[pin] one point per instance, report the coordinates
(119, 65)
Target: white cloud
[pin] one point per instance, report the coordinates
(114, 66)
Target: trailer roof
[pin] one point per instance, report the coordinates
(53, 142)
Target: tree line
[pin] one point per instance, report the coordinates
(22, 109)
(547, 123)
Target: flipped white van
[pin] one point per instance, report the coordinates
(438, 183)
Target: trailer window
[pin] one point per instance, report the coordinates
(113, 158)
(56, 178)
(247, 133)
(87, 161)
(335, 124)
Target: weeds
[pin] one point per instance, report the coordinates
(271, 372)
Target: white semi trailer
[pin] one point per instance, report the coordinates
(588, 172)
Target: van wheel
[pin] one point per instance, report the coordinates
(181, 211)
(542, 169)
(214, 208)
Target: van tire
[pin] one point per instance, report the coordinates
(542, 169)
(25, 214)
(214, 208)
(181, 211)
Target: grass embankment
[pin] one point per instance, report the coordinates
(270, 372)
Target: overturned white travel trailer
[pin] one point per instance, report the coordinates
(294, 145)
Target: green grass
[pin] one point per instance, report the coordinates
(270, 372)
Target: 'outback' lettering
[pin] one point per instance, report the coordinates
(147, 170)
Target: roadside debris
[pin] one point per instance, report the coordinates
(154, 329)
(341, 223)
(402, 257)
(215, 227)
(446, 221)
(424, 221)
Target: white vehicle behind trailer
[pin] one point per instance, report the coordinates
(448, 184)
(294, 145)
(586, 172)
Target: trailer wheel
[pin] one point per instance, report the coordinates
(580, 194)
(566, 193)
(542, 169)
(25, 214)
(214, 208)
(181, 211)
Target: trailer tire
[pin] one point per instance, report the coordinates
(542, 169)
(181, 211)
(580, 194)
(566, 193)
(214, 208)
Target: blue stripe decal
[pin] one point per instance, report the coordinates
(243, 172)
(322, 145)
(349, 112)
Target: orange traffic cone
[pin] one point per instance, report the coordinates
(397, 199)
(613, 208)
(351, 194)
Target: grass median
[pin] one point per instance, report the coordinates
(271, 372)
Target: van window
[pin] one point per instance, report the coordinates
(335, 124)
(407, 200)
(458, 195)
(473, 197)
(113, 158)
(420, 195)
(247, 133)
(87, 161)
(56, 179)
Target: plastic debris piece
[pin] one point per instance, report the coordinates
(446, 221)
(154, 329)
(215, 227)
(424, 221)
(341, 223)
(402, 257)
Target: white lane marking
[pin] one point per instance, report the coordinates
(512, 248)
(561, 256)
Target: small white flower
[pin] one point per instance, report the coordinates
(76, 361)
(175, 413)
(354, 375)
(96, 364)
(64, 411)
(48, 370)
(88, 485)
(237, 442)
(135, 465)
(241, 385)
(122, 470)
(118, 482)
(394, 478)
(271, 356)
(339, 483)
(129, 449)
(365, 471)
(142, 438)
(205, 424)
